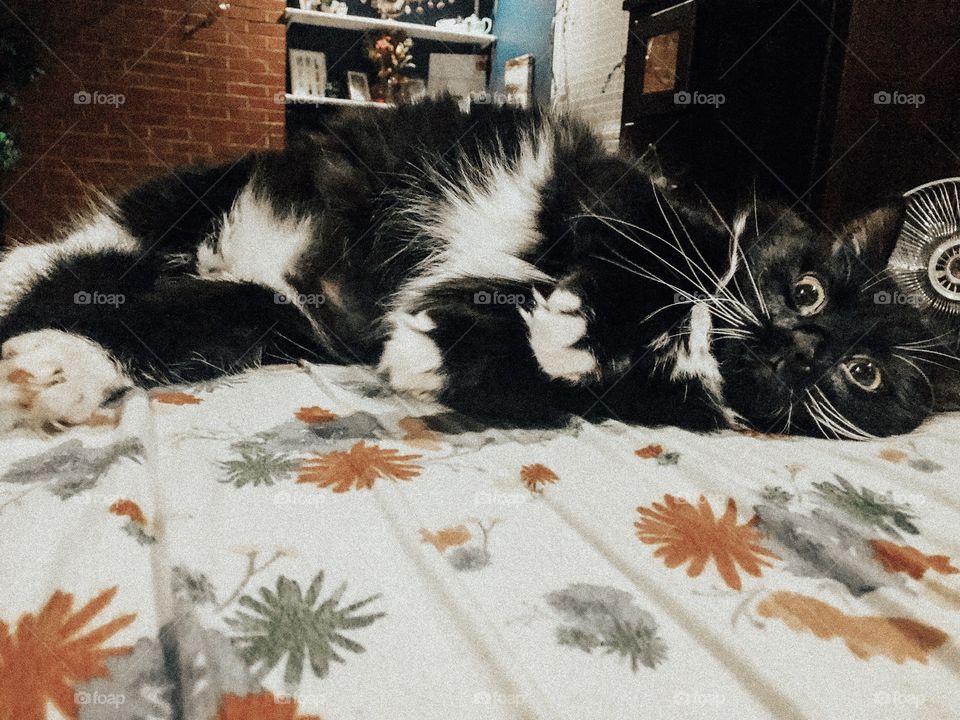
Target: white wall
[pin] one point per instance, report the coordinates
(590, 39)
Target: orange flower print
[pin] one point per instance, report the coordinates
(893, 456)
(446, 537)
(649, 452)
(129, 509)
(175, 398)
(693, 533)
(360, 467)
(897, 638)
(533, 476)
(416, 433)
(314, 415)
(903, 558)
(261, 706)
(46, 656)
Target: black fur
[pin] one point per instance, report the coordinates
(604, 221)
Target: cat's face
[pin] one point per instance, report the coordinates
(836, 351)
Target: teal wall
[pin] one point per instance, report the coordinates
(521, 27)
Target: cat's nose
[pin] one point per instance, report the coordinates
(802, 352)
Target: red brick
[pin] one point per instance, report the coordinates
(200, 99)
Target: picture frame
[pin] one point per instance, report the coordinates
(308, 73)
(518, 80)
(358, 86)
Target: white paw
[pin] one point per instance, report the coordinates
(411, 360)
(556, 325)
(52, 379)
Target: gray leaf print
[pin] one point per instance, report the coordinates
(71, 466)
(599, 616)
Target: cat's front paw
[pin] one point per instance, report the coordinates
(558, 328)
(50, 379)
(411, 361)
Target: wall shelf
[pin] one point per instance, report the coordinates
(414, 30)
(292, 99)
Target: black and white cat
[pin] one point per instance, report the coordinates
(499, 261)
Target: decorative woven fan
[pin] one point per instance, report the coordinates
(926, 261)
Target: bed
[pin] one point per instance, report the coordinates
(296, 543)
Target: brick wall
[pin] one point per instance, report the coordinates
(187, 97)
(590, 40)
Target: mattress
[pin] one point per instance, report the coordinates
(296, 543)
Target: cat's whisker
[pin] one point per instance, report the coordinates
(921, 359)
(642, 272)
(838, 431)
(916, 367)
(815, 414)
(741, 301)
(693, 279)
(756, 288)
(925, 351)
(743, 309)
(843, 419)
(929, 342)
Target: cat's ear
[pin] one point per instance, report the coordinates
(873, 235)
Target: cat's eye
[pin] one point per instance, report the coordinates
(809, 295)
(864, 373)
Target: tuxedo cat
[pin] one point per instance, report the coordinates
(499, 261)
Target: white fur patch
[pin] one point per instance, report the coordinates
(695, 361)
(411, 360)
(23, 265)
(556, 324)
(484, 223)
(255, 244)
(50, 378)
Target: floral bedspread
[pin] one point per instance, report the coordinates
(293, 543)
